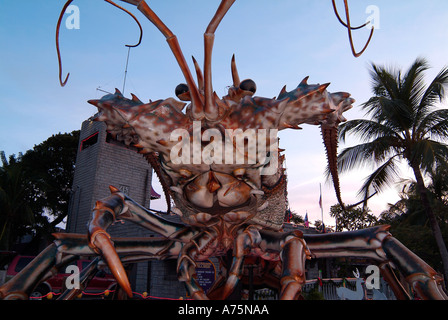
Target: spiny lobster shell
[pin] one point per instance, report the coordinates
(219, 187)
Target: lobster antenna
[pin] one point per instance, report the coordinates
(350, 28)
(133, 17)
(128, 45)
(342, 22)
(58, 27)
(211, 109)
(197, 108)
(126, 69)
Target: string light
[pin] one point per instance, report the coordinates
(144, 295)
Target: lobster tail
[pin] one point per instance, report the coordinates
(341, 102)
(330, 138)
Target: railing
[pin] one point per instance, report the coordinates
(327, 289)
(2, 276)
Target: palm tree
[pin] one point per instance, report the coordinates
(15, 212)
(406, 124)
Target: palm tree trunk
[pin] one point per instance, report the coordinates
(4, 241)
(432, 220)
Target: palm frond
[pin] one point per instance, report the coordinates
(434, 126)
(383, 176)
(366, 130)
(429, 154)
(367, 153)
(384, 82)
(393, 113)
(413, 84)
(434, 93)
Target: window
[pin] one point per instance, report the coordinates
(89, 141)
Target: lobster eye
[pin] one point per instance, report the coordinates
(183, 92)
(248, 85)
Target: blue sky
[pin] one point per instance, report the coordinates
(276, 43)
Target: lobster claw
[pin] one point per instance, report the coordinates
(102, 243)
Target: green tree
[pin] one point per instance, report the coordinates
(296, 218)
(406, 124)
(35, 188)
(409, 222)
(51, 166)
(439, 191)
(15, 212)
(352, 219)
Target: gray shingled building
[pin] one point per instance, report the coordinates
(101, 162)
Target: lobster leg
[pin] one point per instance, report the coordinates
(41, 268)
(196, 249)
(243, 243)
(131, 250)
(290, 248)
(379, 245)
(68, 247)
(423, 279)
(118, 205)
(104, 214)
(293, 255)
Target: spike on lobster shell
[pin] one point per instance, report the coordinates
(290, 126)
(144, 150)
(113, 189)
(135, 98)
(162, 142)
(199, 75)
(138, 146)
(282, 93)
(323, 87)
(94, 102)
(304, 82)
(235, 76)
(118, 92)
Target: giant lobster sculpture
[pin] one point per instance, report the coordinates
(218, 158)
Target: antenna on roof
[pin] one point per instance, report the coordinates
(126, 69)
(98, 89)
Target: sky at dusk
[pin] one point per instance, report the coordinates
(276, 43)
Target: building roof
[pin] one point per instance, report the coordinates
(154, 194)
